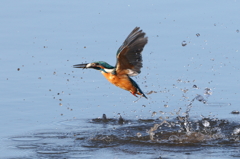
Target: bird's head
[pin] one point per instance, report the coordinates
(99, 65)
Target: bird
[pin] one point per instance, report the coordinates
(129, 63)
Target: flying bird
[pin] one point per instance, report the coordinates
(129, 63)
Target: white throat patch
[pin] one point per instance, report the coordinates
(108, 70)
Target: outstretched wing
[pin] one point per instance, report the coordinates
(129, 57)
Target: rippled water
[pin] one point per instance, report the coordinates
(143, 138)
(190, 74)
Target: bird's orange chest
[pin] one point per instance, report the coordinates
(121, 81)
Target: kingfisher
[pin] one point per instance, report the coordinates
(129, 63)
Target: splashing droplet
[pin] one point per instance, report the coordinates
(236, 131)
(139, 134)
(235, 112)
(154, 113)
(200, 99)
(184, 43)
(205, 123)
(195, 86)
(173, 138)
(208, 91)
(165, 105)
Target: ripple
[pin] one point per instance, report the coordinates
(26, 139)
(51, 152)
(27, 146)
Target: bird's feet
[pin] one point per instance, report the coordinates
(134, 93)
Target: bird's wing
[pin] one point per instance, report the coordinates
(129, 57)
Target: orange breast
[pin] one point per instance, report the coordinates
(121, 81)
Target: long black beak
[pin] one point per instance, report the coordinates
(80, 65)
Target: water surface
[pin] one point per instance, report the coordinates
(48, 107)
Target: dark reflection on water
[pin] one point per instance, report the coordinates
(107, 137)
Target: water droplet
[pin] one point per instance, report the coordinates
(205, 123)
(236, 131)
(173, 138)
(200, 99)
(161, 112)
(151, 135)
(165, 105)
(235, 112)
(197, 34)
(154, 113)
(195, 86)
(237, 31)
(208, 91)
(139, 134)
(104, 117)
(184, 43)
(184, 90)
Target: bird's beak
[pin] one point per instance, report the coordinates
(89, 65)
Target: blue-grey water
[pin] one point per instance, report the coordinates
(48, 109)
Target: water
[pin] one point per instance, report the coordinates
(191, 78)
